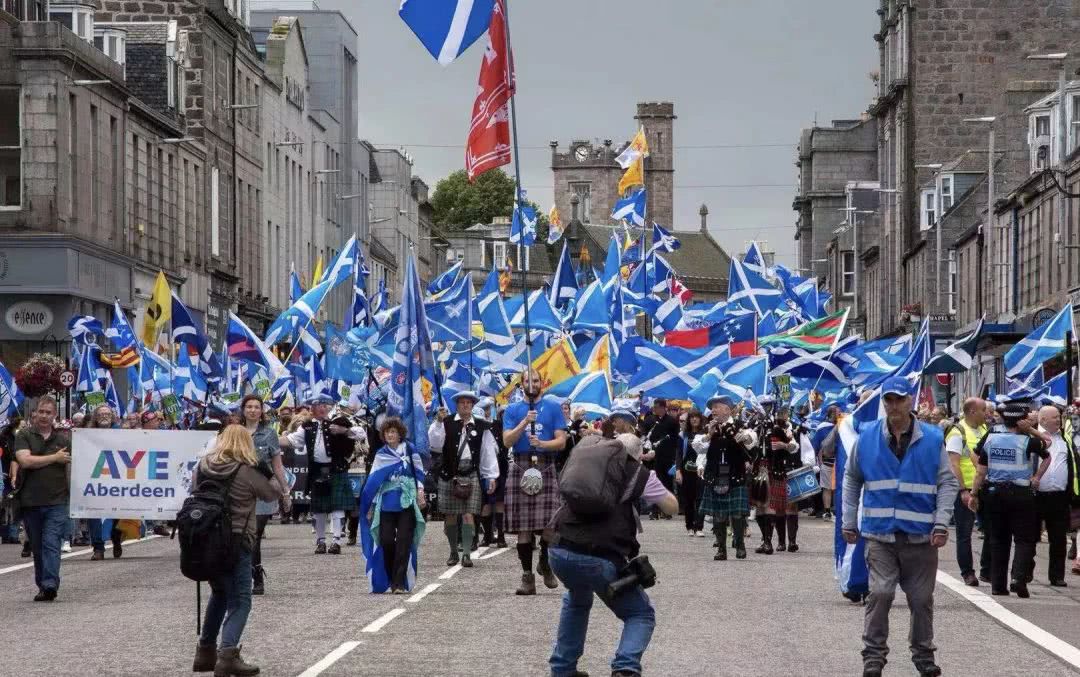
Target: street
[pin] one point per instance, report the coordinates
(767, 615)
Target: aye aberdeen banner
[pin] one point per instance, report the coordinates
(132, 474)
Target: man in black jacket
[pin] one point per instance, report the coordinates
(661, 439)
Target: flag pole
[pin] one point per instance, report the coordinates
(644, 239)
(523, 253)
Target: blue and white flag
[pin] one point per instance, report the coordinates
(447, 28)
(612, 264)
(348, 354)
(85, 329)
(663, 240)
(849, 559)
(743, 379)
(589, 390)
(296, 290)
(750, 290)
(541, 315)
(669, 314)
(185, 331)
(564, 285)
(388, 466)
(297, 322)
(1040, 345)
(489, 311)
(381, 301)
(359, 313)
(1055, 391)
(91, 372)
(413, 360)
(755, 260)
(523, 226)
(631, 208)
(343, 265)
(591, 309)
(445, 280)
(188, 382)
(671, 372)
(957, 357)
(449, 315)
(10, 396)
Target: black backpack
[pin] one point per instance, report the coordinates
(596, 477)
(204, 525)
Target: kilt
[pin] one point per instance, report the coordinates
(735, 503)
(451, 505)
(531, 513)
(778, 503)
(340, 496)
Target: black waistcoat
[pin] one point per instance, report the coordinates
(451, 454)
(338, 447)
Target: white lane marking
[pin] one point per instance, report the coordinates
(432, 587)
(449, 573)
(494, 553)
(381, 622)
(1033, 633)
(76, 553)
(330, 659)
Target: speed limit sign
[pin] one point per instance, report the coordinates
(67, 378)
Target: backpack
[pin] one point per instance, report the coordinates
(596, 477)
(204, 525)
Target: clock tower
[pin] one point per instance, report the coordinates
(589, 171)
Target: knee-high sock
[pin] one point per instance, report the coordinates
(525, 553)
(320, 527)
(738, 528)
(765, 524)
(778, 523)
(499, 521)
(337, 524)
(467, 531)
(792, 527)
(720, 529)
(485, 522)
(543, 551)
(450, 528)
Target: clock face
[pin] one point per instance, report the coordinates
(581, 153)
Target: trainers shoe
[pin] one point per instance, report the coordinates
(65, 546)
(45, 595)
(97, 556)
(972, 580)
(466, 561)
(334, 549)
(701, 534)
(320, 548)
(453, 559)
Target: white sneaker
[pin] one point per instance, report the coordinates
(690, 533)
(65, 546)
(701, 534)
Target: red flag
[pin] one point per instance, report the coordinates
(488, 145)
(679, 290)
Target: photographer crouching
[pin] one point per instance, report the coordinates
(594, 549)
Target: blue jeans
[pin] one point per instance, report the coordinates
(584, 575)
(229, 605)
(965, 523)
(45, 526)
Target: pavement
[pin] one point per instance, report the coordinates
(767, 615)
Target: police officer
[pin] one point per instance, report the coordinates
(1003, 481)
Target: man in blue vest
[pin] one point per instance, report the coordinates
(1003, 481)
(900, 469)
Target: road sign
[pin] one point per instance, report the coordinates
(944, 379)
(67, 378)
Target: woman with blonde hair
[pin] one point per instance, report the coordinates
(234, 461)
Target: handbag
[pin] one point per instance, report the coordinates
(759, 484)
(461, 488)
(721, 484)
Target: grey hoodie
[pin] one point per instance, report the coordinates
(248, 485)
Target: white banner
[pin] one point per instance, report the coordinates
(132, 474)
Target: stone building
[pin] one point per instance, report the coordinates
(589, 171)
(397, 200)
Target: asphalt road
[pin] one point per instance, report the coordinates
(775, 615)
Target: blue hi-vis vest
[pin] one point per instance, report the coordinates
(1006, 458)
(899, 496)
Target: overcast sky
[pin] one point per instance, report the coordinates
(739, 74)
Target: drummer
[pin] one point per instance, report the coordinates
(781, 456)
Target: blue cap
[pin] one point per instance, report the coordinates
(896, 385)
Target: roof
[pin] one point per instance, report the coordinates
(380, 251)
(1051, 100)
(700, 258)
(154, 32)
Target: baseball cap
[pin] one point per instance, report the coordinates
(896, 385)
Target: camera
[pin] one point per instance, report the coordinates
(637, 572)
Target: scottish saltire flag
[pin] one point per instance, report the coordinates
(755, 260)
(588, 390)
(913, 366)
(800, 292)
(491, 313)
(802, 363)
(564, 285)
(819, 335)
(242, 344)
(348, 354)
(84, 329)
(359, 313)
(750, 290)
(403, 465)
(449, 316)
(188, 381)
(123, 339)
(541, 315)
(457, 378)
(413, 360)
(523, 226)
(958, 356)
(631, 208)
(669, 314)
(1055, 391)
(343, 265)
(591, 310)
(849, 559)
(381, 301)
(446, 279)
(112, 398)
(612, 264)
(298, 320)
(91, 371)
(185, 331)
(873, 368)
(10, 397)
(296, 290)
(447, 28)
(671, 372)
(663, 240)
(1040, 345)
(743, 379)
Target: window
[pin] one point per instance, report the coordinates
(10, 148)
(946, 192)
(847, 273)
(583, 191)
(215, 222)
(953, 278)
(170, 83)
(498, 254)
(1074, 122)
(1040, 142)
(929, 210)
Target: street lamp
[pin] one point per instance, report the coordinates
(990, 120)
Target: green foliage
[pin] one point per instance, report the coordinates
(459, 204)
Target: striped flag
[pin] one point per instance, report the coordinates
(817, 336)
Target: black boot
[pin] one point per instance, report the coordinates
(792, 532)
(721, 537)
(258, 580)
(489, 535)
(500, 520)
(765, 524)
(781, 536)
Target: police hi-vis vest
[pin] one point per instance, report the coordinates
(899, 495)
(1006, 458)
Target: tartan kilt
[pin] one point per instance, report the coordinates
(778, 501)
(735, 503)
(451, 505)
(531, 513)
(340, 497)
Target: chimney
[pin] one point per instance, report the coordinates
(704, 212)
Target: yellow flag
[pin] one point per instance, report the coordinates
(158, 312)
(317, 275)
(637, 149)
(600, 358)
(555, 365)
(634, 176)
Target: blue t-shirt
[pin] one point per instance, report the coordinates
(549, 420)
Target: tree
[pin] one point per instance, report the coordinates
(459, 204)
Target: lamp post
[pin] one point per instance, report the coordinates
(994, 232)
